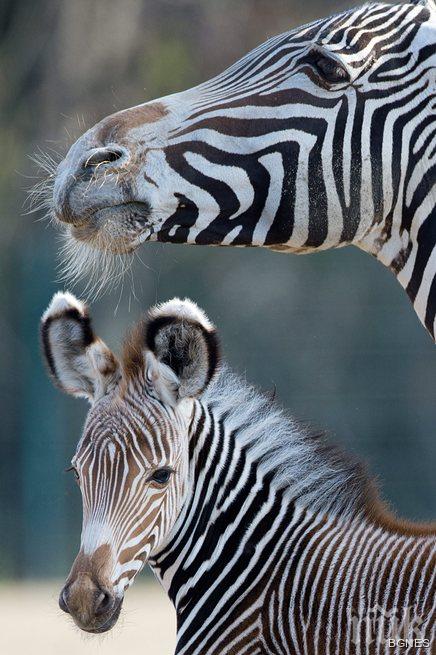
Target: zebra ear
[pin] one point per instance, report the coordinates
(78, 362)
(178, 347)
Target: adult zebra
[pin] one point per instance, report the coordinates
(267, 540)
(321, 137)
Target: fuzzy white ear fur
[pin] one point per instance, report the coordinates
(176, 347)
(78, 362)
(185, 309)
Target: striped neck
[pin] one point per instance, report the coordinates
(250, 463)
(405, 242)
(228, 492)
(275, 535)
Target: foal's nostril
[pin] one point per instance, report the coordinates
(101, 156)
(104, 603)
(63, 601)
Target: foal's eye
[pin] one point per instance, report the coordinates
(161, 475)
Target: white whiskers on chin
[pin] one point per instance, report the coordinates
(102, 269)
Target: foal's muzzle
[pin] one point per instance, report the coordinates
(94, 607)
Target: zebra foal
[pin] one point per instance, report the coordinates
(266, 539)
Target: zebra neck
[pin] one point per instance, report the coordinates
(244, 526)
(251, 469)
(244, 454)
(407, 246)
(227, 494)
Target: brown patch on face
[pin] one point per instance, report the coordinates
(88, 577)
(95, 566)
(107, 365)
(115, 127)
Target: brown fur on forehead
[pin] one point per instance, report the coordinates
(117, 421)
(116, 126)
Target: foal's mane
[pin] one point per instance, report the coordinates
(318, 473)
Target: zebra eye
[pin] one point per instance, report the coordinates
(330, 70)
(161, 475)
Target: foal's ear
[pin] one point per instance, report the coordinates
(78, 362)
(177, 348)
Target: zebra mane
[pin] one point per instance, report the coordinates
(318, 474)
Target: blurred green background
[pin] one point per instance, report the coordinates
(334, 332)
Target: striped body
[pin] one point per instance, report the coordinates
(267, 539)
(321, 137)
(250, 570)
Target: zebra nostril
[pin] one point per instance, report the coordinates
(63, 601)
(105, 601)
(108, 155)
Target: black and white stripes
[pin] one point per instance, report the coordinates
(321, 137)
(276, 550)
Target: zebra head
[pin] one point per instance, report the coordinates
(319, 137)
(132, 461)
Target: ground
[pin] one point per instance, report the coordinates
(32, 624)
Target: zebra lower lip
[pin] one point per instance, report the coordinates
(134, 212)
(70, 219)
(120, 227)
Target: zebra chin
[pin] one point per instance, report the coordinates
(108, 623)
(117, 229)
